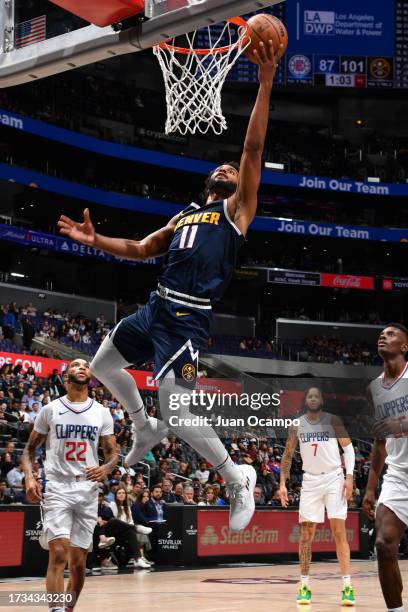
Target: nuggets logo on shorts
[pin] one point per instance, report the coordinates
(188, 372)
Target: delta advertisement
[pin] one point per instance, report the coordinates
(269, 532)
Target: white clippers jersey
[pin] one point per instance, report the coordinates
(73, 430)
(319, 448)
(392, 402)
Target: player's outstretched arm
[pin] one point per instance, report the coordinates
(111, 455)
(32, 487)
(242, 205)
(286, 464)
(151, 246)
(378, 456)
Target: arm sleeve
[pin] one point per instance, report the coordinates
(349, 459)
(41, 423)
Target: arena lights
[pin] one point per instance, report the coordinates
(17, 274)
(274, 166)
(373, 179)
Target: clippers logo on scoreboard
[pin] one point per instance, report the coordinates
(320, 23)
(300, 66)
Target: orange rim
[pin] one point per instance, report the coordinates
(238, 21)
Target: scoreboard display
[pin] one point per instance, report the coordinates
(340, 43)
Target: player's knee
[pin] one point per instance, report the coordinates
(306, 534)
(386, 547)
(58, 554)
(339, 534)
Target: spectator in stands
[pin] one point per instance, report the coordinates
(15, 476)
(178, 492)
(126, 482)
(202, 473)
(137, 487)
(259, 496)
(188, 495)
(113, 487)
(11, 449)
(154, 507)
(7, 322)
(139, 510)
(6, 464)
(208, 497)
(34, 412)
(5, 498)
(3, 419)
(127, 469)
(223, 499)
(167, 493)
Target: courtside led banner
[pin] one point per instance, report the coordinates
(268, 532)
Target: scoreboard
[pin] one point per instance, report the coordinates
(340, 43)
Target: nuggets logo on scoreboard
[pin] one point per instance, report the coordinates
(380, 68)
(299, 66)
(320, 23)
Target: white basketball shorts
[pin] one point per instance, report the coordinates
(70, 510)
(320, 492)
(394, 494)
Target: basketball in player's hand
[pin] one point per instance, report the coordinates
(263, 28)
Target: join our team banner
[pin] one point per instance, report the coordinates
(146, 156)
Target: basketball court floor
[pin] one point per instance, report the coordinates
(259, 588)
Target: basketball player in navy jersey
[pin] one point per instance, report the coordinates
(389, 396)
(200, 247)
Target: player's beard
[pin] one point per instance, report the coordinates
(79, 381)
(220, 185)
(314, 410)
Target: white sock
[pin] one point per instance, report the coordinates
(346, 581)
(304, 581)
(202, 438)
(400, 609)
(108, 366)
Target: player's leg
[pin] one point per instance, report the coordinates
(389, 530)
(311, 512)
(203, 439)
(336, 505)
(76, 563)
(57, 561)
(120, 349)
(307, 534)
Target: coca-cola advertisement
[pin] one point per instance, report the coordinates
(347, 281)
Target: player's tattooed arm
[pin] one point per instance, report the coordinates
(110, 453)
(287, 457)
(32, 487)
(153, 245)
(286, 464)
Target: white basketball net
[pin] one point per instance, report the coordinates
(194, 80)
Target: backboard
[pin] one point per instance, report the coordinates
(39, 39)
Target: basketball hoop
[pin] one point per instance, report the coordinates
(194, 77)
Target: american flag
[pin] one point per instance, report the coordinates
(31, 31)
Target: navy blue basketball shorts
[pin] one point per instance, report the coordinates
(166, 332)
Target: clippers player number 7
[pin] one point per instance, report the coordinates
(324, 486)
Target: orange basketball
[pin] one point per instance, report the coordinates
(264, 27)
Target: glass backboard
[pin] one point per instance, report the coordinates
(39, 39)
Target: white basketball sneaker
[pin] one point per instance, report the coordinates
(145, 439)
(241, 497)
